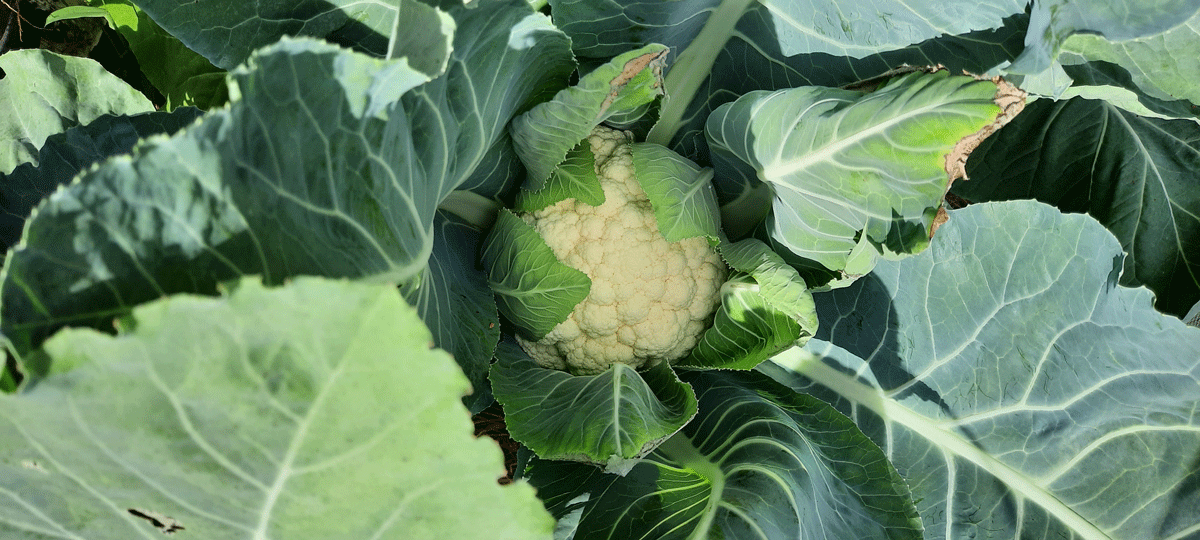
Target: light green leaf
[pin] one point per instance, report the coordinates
(545, 134)
(758, 462)
(612, 419)
(765, 308)
(681, 192)
(327, 162)
(1138, 176)
(80, 12)
(453, 299)
(843, 163)
(1052, 22)
(316, 410)
(574, 178)
(534, 290)
(1004, 368)
(43, 93)
(1163, 65)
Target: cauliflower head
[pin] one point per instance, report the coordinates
(650, 299)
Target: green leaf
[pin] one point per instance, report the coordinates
(1052, 22)
(612, 419)
(843, 163)
(680, 191)
(316, 410)
(226, 34)
(43, 93)
(544, 135)
(534, 290)
(726, 48)
(327, 163)
(182, 76)
(65, 154)
(80, 12)
(574, 178)
(454, 301)
(1004, 368)
(1135, 175)
(759, 461)
(765, 308)
(1162, 65)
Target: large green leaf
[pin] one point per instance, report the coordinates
(43, 93)
(327, 162)
(852, 169)
(612, 419)
(226, 33)
(1018, 388)
(759, 462)
(66, 154)
(453, 298)
(1052, 22)
(1138, 176)
(316, 410)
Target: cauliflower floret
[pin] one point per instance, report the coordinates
(650, 299)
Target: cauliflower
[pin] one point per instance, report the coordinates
(650, 299)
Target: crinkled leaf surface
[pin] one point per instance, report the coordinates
(534, 290)
(1017, 387)
(453, 299)
(43, 93)
(765, 308)
(65, 154)
(1138, 176)
(316, 410)
(328, 162)
(845, 165)
(759, 462)
(1051, 22)
(681, 193)
(226, 33)
(544, 135)
(611, 419)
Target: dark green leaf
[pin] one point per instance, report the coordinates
(65, 154)
(1138, 176)
(453, 299)
(611, 419)
(758, 462)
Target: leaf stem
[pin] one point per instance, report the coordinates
(680, 449)
(693, 67)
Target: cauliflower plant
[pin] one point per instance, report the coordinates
(650, 299)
